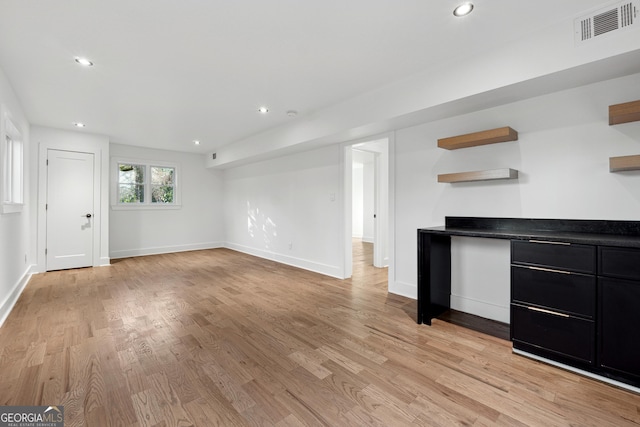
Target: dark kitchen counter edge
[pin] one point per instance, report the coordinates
(590, 232)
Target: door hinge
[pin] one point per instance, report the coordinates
(47, 162)
(45, 251)
(46, 207)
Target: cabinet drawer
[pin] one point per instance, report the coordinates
(573, 293)
(572, 257)
(567, 336)
(619, 262)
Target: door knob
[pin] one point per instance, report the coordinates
(88, 215)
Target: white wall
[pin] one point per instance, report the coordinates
(198, 224)
(562, 154)
(17, 252)
(288, 209)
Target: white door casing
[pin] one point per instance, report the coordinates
(69, 213)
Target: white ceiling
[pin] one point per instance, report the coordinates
(170, 71)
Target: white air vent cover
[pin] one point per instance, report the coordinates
(620, 16)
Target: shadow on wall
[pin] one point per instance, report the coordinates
(259, 224)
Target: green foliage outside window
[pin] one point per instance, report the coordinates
(131, 183)
(162, 183)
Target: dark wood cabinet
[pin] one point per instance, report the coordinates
(575, 289)
(578, 305)
(553, 300)
(619, 312)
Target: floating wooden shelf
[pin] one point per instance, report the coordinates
(485, 137)
(624, 113)
(624, 163)
(486, 175)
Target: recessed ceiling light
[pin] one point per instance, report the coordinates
(84, 62)
(197, 142)
(463, 9)
(263, 110)
(79, 125)
(292, 113)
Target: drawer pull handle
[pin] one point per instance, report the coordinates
(542, 310)
(550, 243)
(549, 270)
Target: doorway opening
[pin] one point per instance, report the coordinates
(366, 205)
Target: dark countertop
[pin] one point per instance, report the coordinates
(590, 232)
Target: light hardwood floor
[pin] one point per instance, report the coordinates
(217, 337)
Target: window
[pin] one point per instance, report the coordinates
(162, 184)
(145, 184)
(11, 154)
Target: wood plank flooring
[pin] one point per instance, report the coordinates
(217, 337)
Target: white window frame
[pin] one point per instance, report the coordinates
(12, 166)
(147, 204)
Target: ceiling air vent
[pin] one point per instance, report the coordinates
(620, 16)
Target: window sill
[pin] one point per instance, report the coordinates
(145, 207)
(7, 208)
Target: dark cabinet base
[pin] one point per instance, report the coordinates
(434, 277)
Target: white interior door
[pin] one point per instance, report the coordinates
(69, 209)
(378, 219)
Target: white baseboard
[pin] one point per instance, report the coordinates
(104, 261)
(164, 250)
(466, 305)
(480, 308)
(316, 267)
(365, 239)
(403, 289)
(9, 302)
(578, 371)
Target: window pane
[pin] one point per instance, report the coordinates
(6, 191)
(130, 174)
(162, 176)
(131, 193)
(16, 172)
(161, 194)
